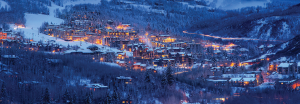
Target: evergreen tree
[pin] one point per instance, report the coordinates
(147, 77)
(128, 97)
(88, 99)
(66, 97)
(46, 97)
(108, 98)
(74, 99)
(170, 78)
(261, 79)
(148, 27)
(115, 96)
(164, 80)
(3, 91)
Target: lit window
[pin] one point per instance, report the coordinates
(123, 102)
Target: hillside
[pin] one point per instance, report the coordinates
(288, 48)
(274, 25)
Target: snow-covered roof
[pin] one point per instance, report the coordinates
(242, 79)
(55, 60)
(298, 64)
(164, 35)
(9, 56)
(287, 81)
(85, 51)
(95, 85)
(110, 64)
(244, 49)
(168, 59)
(181, 53)
(28, 82)
(137, 63)
(215, 67)
(285, 65)
(261, 46)
(248, 79)
(235, 79)
(271, 45)
(282, 59)
(217, 80)
(143, 65)
(217, 51)
(123, 77)
(121, 61)
(238, 75)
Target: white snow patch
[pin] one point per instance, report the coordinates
(187, 94)
(286, 32)
(72, 2)
(192, 6)
(4, 4)
(110, 64)
(266, 85)
(281, 59)
(235, 4)
(256, 29)
(267, 34)
(158, 102)
(284, 45)
(265, 55)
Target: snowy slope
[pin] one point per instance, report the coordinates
(69, 2)
(235, 4)
(53, 6)
(289, 48)
(3, 4)
(34, 21)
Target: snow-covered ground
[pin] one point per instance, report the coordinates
(110, 64)
(34, 21)
(192, 6)
(70, 2)
(235, 4)
(4, 4)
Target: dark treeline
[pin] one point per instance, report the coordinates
(267, 96)
(15, 14)
(32, 79)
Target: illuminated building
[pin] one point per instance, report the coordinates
(124, 80)
(3, 35)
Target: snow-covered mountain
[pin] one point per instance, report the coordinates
(270, 24)
(288, 48)
(272, 28)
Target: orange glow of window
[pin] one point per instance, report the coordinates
(108, 27)
(295, 85)
(232, 64)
